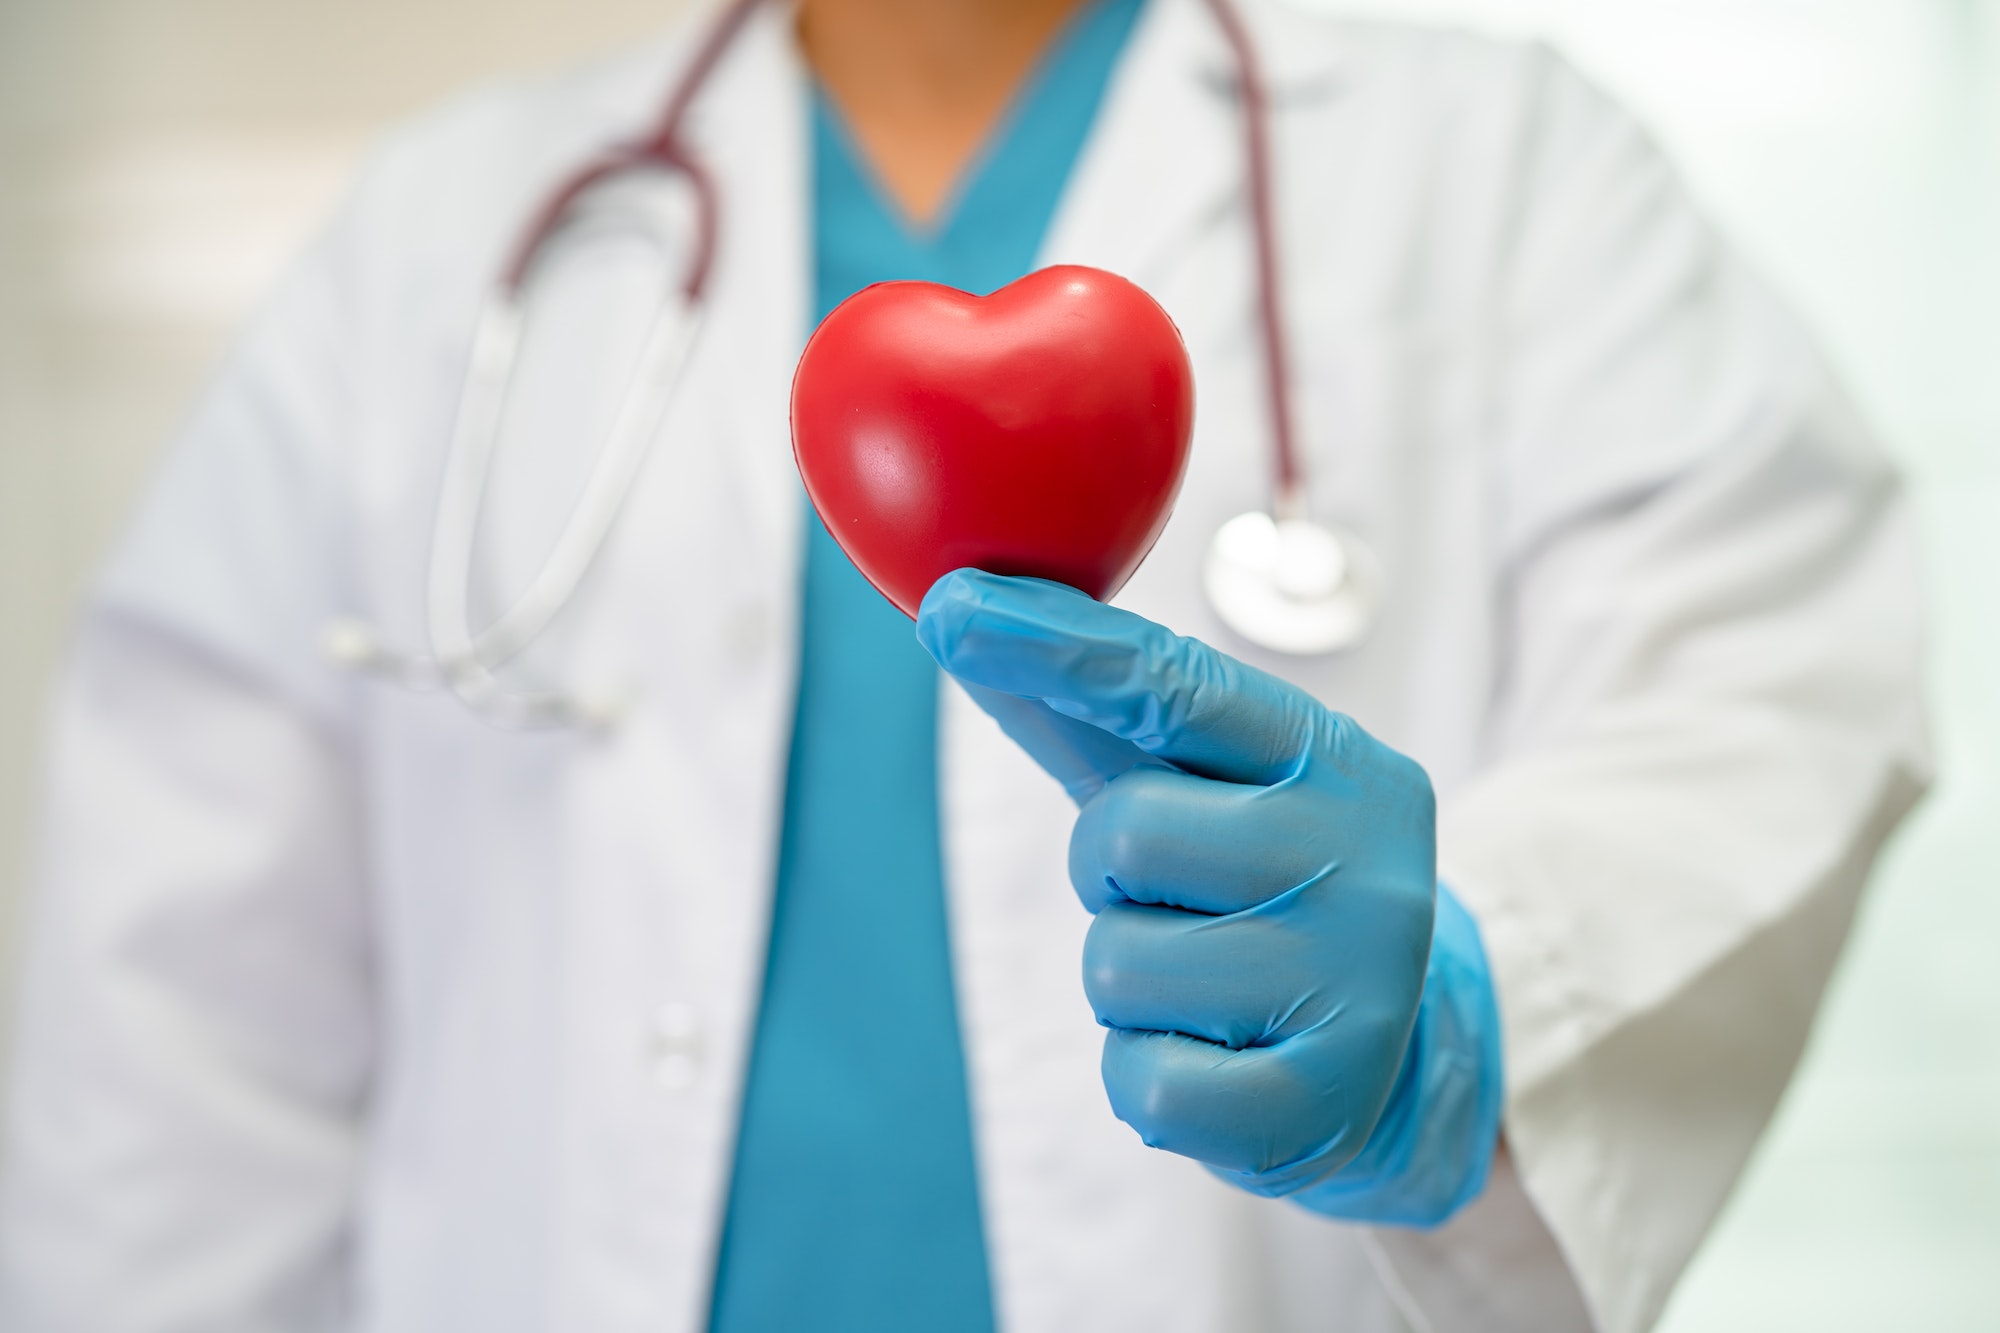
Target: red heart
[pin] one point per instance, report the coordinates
(1042, 430)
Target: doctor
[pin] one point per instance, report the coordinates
(344, 1008)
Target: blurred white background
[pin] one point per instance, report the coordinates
(160, 159)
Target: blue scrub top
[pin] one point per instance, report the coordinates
(855, 1202)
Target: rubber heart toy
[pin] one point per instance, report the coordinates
(1042, 430)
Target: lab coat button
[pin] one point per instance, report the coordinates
(674, 1046)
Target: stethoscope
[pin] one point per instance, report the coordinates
(1280, 579)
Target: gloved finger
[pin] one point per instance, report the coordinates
(1253, 1110)
(1173, 697)
(1081, 757)
(1243, 980)
(1160, 836)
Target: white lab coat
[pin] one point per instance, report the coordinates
(343, 1009)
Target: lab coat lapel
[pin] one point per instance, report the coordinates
(678, 812)
(1165, 163)
(749, 129)
(1161, 161)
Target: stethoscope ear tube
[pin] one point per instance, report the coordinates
(468, 659)
(468, 462)
(460, 660)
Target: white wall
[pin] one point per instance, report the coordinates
(160, 158)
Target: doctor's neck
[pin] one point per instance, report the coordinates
(921, 82)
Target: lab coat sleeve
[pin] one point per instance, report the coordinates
(1708, 717)
(193, 1032)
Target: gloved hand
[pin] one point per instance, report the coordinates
(1262, 875)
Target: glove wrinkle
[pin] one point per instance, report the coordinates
(1288, 994)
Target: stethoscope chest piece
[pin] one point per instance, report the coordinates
(1292, 585)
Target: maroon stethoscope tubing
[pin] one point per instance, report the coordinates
(663, 149)
(1270, 316)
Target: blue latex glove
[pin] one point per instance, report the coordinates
(1262, 875)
